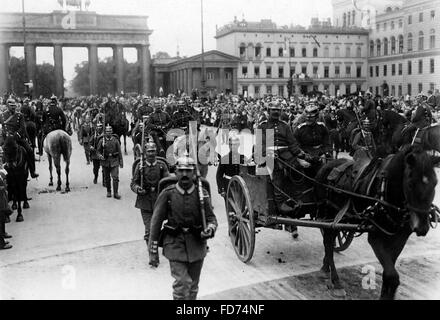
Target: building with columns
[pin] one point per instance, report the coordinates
(76, 29)
(186, 74)
(318, 58)
(404, 46)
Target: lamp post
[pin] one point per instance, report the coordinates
(203, 81)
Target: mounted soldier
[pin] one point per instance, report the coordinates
(181, 117)
(160, 122)
(13, 124)
(53, 117)
(144, 109)
(422, 116)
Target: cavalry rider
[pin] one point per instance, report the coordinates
(93, 142)
(313, 137)
(85, 134)
(27, 111)
(184, 241)
(181, 117)
(285, 144)
(422, 116)
(147, 174)
(53, 117)
(13, 125)
(109, 150)
(369, 109)
(144, 109)
(160, 122)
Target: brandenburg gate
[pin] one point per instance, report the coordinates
(76, 29)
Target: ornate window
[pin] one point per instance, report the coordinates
(410, 43)
(421, 41)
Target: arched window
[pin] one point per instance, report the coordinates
(348, 19)
(326, 52)
(371, 48)
(353, 17)
(242, 49)
(315, 52)
(359, 52)
(432, 39)
(304, 52)
(348, 52)
(410, 43)
(385, 46)
(421, 41)
(337, 52)
(378, 47)
(258, 50)
(393, 45)
(344, 20)
(400, 44)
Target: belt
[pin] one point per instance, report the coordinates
(113, 154)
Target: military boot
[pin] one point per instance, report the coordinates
(115, 190)
(109, 189)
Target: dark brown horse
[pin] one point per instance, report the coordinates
(17, 168)
(56, 144)
(405, 184)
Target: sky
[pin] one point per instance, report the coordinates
(176, 23)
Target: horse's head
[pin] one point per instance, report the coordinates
(10, 149)
(419, 183)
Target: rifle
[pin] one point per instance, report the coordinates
(198, 180)
(141, 165)
(355, 109)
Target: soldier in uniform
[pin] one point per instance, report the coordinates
(144, 109)
(27, 111)
(422, 117)
(85, 134)
(13, 125)
(181, 117)
(229, 165)
(5, 210)
(109, 150)
(145, 182)
(93, 142)
(285, 144)
(184, 236)
(160, 122)
(54, 118)
(370, 109)
(313, 138)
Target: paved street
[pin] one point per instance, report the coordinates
(82, 245)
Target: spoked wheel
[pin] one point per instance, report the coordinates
(137, 151)
(343, 240)
(240, 215)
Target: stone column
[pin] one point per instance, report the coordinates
(190, 80)
(4, 68)
(31, 63)
(93, 68)
(222, 76)
(144, 58)
(234, 81)
(185, 80)
(118, 56)
(58, 61)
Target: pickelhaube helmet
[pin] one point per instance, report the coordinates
(185, 163)
(311, 110)
(150, 146)
(108, 129)
(11, 102)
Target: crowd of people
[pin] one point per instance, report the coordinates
(304, 129)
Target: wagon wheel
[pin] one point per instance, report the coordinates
(343, 240)
(240, 215)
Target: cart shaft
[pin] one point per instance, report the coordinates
(319, 224)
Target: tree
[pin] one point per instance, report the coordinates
(161, 55)
(44, 77)
(106, 77)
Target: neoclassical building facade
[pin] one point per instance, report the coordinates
(404, 47)
(317, 58)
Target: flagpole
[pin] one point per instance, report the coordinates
(203, 91)
(24, 42)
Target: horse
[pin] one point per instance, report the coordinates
(428, 137)
(17, 169)
(56, 144)
(390, 125)
(122, 129)
(347, 123)
(405, 183)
